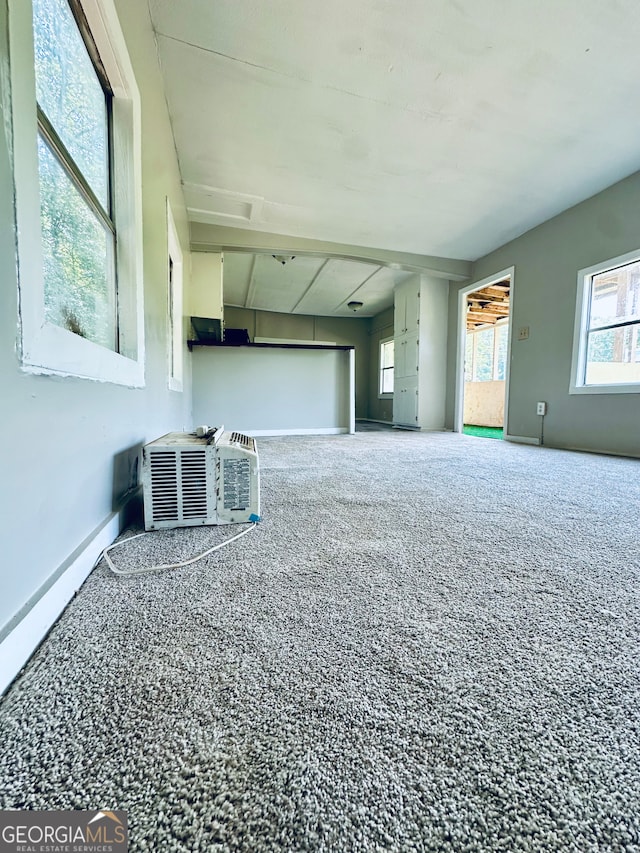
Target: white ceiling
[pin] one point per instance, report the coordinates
(435, 127)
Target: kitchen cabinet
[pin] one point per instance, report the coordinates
(206, 285)
(406, 307)
(405, 401)
(406, 355)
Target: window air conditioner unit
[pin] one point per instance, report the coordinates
(190, 479)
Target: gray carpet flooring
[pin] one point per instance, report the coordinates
(430, 643)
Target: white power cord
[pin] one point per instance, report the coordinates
(206, 553)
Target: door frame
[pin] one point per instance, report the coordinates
(458, 422)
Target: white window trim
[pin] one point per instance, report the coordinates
(579, 353)
(388, 395)
(44, 347)
(175, 330)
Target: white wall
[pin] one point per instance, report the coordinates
(272, 390)
(70, 444)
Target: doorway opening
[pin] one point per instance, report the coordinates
(483, 362)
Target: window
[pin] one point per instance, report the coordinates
(386, 368)
(76, 130)
(486, 353)
(175, 336)
(606, 354)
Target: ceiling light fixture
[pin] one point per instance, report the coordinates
(282, 259)
(354, 305)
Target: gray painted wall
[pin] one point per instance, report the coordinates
(70, 444)
(547, 260)
(380, 327)
(343, 331)
(432, 352)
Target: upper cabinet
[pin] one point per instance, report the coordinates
(205, 292)
(407, 307)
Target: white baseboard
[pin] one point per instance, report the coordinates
(34, 624)
(522, 439)
(256, 433)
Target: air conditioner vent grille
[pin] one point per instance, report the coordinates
(164, 485)
(194, 484)
(245, 440)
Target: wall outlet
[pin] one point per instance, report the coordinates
(523, 333)
(541, 408)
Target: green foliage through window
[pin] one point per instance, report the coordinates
(78, 233)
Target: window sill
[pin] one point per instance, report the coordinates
(385, 396)
(606, 389)
(55, 351)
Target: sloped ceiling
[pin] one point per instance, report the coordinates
(436, 127)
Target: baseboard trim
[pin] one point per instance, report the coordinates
(573, 449)
(257, 433)
(523, 439)
(416, 428)
(32, 624)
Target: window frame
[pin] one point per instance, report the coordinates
(581, 329)
(384, 395)
(43, 347)
(175, 298)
